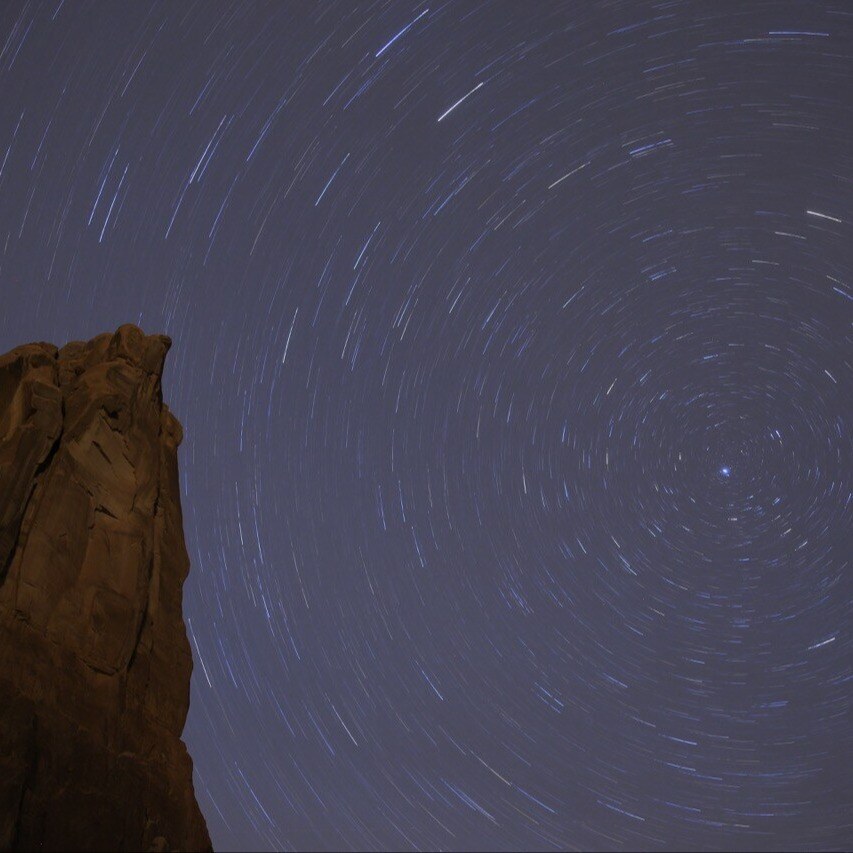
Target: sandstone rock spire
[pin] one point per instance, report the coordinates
(94, 659)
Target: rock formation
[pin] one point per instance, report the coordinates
(94, 659)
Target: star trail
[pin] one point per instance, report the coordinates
(512, 342)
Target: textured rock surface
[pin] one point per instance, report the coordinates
(94, 660)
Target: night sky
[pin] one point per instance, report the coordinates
(512, 342)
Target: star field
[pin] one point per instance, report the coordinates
(512, 342)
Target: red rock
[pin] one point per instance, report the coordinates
(94, 659)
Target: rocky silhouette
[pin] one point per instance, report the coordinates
(94, 659)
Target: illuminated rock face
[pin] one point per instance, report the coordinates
(94, 659)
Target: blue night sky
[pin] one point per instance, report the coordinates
(512, 342)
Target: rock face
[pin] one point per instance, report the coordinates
(94, 659)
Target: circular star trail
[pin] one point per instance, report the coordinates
(512, 344)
